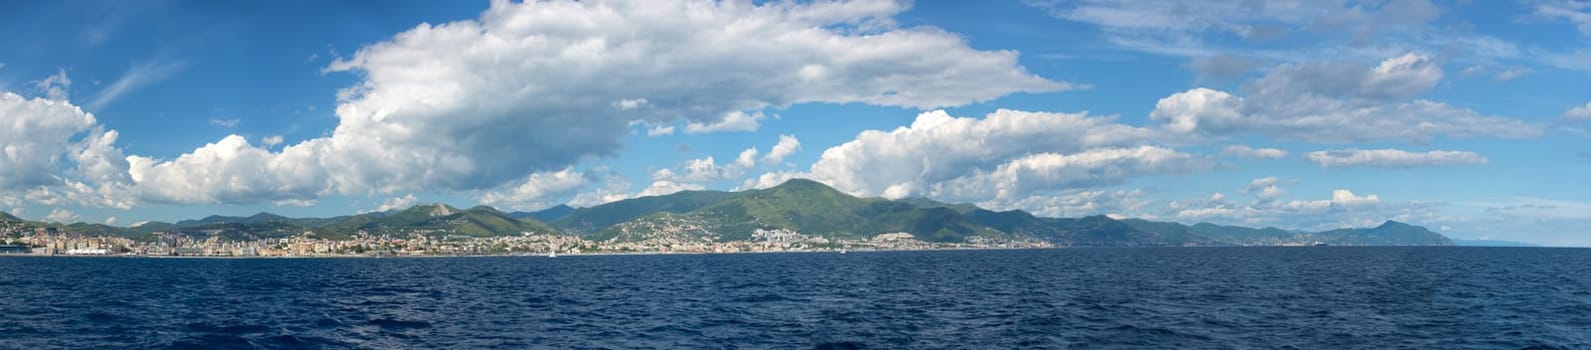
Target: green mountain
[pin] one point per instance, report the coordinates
(803, 206)
(1389, 233)
(545, 215)
(1103, 231)
(799, 206)
(589, 220)
(438, 219)
(812, 208)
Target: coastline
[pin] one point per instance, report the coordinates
(595, 254)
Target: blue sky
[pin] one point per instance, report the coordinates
(1467, 117)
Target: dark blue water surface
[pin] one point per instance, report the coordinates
(1318, 297)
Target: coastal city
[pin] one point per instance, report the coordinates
(43, 241)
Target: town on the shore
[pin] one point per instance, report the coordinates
(42, 241)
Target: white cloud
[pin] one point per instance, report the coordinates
(706, 169)
(1078, 203)
(1338, 28)
(438, 105)
(1343, 208)
(1335, 103)
(55, 87)
(1005, 155)
(396, 203)
(110, 221)
(664, 187)
(614, 188)
(1244, 151)
(271, 141)
(301, 203)
(1393, 158)
(63, 216)
(229, 123)
(732, 121)
(660, 130)
(1575, 12)
(747, 158)
(787, 145)
(36, 138)
(1578, 113)
(540, 190)
(233, 171)
(1511, 74)
(1266, 189)
(629, 104)
(1040, 172)
(139, 76)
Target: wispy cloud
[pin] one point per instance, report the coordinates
(139, 76)
(230, 123)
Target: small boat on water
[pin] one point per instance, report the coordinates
(552, 254)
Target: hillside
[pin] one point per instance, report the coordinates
(545, 215)
(480, 221)
(803, 207)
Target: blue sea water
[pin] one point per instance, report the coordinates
(1316, 297)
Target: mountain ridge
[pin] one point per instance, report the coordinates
(797, 206)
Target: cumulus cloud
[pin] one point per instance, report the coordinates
(396, 203)
(55, 87)
(664, 187)
(1581, 113)
(1393, 158)
(732, 121)
(1036, 173)
(540, 190)
(1078, 203)
(787, 145)
(660, 130)
(1003, 156)
(1330, 102)
(233, 171)
(1244, 151)
(551, 82)
(696, 171)
(62, 216)
(614, 188)
(439, 104)
(271, 141)
(1343, 208)
(37, 135)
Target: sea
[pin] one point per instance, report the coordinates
(1184, 298)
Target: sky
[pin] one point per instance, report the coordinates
(1472, 118)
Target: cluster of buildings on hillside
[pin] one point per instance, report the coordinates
(52, 241)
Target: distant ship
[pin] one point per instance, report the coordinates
(1321, 244)
(552, 254)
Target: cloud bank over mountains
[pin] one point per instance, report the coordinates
(520, 106)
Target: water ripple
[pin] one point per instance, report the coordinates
(1217, 298)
